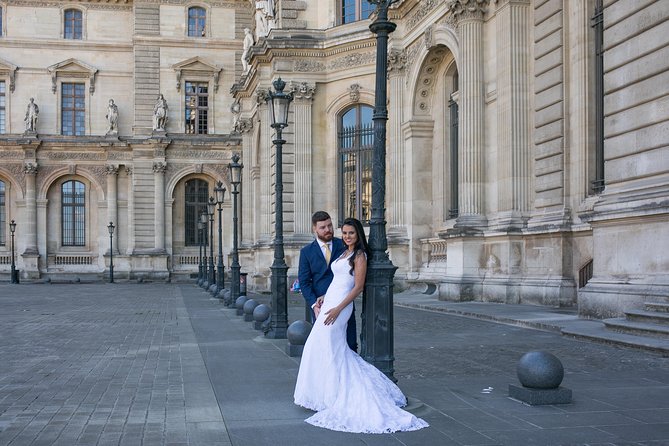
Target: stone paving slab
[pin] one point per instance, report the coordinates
(100, 364)
(167, 364)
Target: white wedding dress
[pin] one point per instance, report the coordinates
(348, 393)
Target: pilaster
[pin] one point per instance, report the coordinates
(513, 115)
(159, 169)
(265, 149)
(112, 197)
(303, 94)
(396, 147)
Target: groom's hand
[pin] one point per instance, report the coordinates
(317, 306)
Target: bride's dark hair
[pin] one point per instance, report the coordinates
(361, 245)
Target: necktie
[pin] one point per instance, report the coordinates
(327, 253)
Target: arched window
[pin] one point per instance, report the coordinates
(72, 26)
(197, 19)
(197, 195)
(3, 215)
(354, 147)
(454, 118)
(354, 10)
(73, 199)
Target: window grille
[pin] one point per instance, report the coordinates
(3, 106)
(73, 194)
(197, 19)
(355, 144)
(197, 107)
(598, 25)
(73, 109)
(196, 197)
(72, 28)
(3, 215)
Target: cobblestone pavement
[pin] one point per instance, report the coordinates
(166, 364)
(102, 365)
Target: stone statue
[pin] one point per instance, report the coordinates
(248, 43)
(32, 111)
(264, 18)
(160, 114)
(112, 118)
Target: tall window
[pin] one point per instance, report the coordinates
(355, 143)
(454, 116)
(197, 107)
(72, 28)
(73, 109)
(3, 214)
(3, 107)
(598, 25)
(1, 11)
(73, 195)
(197, 19)
(197, 195)
(354, 10)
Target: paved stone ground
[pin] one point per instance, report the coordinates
(102, 365)
(144, 364)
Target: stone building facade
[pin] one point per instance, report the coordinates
(527, 157)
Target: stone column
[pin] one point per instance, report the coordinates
(131, 212)
(396, 148)
(159, 181)
(469, 18)
(303, 94)
(30, 228)
(112, 199)
(513, 113)
(265, 151)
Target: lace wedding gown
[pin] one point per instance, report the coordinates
(348, 393)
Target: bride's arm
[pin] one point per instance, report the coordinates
(360, 272)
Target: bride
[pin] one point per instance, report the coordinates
(349, 394)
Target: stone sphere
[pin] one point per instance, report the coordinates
(249, 306)
(261, 313)
(540, 370)
(239, 303)
(298, 332)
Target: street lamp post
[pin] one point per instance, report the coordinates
(110, 227)
(200, 236)
(279, 102)
(211, 208)
(377, 331)
(14, 277)
(204, 220)
(220, 272)
(236, 179)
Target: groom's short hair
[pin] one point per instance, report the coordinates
(319, 216)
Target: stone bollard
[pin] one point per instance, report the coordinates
(248, 308)
(540, 374)
(224, 295)
(239, 305)
(212, 289)
(297, 335)
(260, 314)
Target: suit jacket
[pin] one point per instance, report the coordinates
(314, 274)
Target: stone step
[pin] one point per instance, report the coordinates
(623, 325)
(657, 307)
(595, 331)
(654, 317)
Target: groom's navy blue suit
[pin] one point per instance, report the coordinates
(315, 277)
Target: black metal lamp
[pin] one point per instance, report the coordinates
(279, 103)
(211, 208)
(220, 272)
(204, 219)
(110, 228)
(14, 277)
(235, 168)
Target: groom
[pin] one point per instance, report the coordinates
(315, 274)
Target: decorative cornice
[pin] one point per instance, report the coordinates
(423, 10)
(302, 90)
(352, 60)
(397, 60)
(467, 9)
(89, 156)
(80, 69)
(307, 65)
(113, 5)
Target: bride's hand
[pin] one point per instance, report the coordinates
(331, 315)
